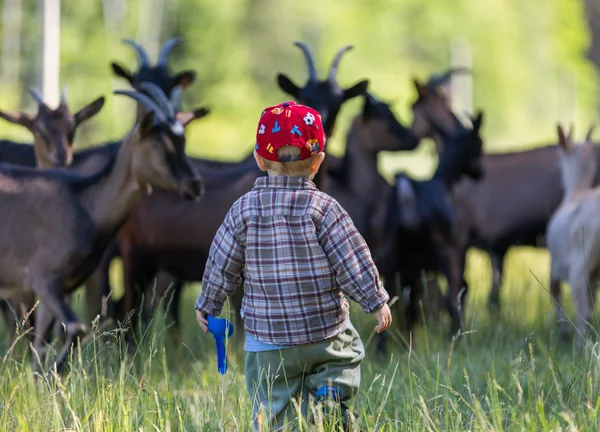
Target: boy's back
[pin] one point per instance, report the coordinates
(298, 248)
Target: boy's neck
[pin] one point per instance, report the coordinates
(278, 174)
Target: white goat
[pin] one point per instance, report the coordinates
(573, 232)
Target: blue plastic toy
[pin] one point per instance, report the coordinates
(221, 329)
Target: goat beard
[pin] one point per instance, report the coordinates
(148, 189)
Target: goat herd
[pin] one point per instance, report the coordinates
(68, 214)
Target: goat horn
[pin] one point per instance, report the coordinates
(35, 94)
(63, 96)
(436, 80)
(176, 97)
(588, 137)
(159, 97)
(570, 135)
(166, 49)
(336, 62)
(143, 57)
(148, 103)
(312, 71)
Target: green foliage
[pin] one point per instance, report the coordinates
(529, 68)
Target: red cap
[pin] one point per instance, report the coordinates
(289, 124)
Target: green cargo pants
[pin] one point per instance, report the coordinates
(274, 378)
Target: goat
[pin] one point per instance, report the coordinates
(573, 233)
(81, 213)
(425, 231)
(98, 286)
(53, 134)
(325, 96)
(511, 206)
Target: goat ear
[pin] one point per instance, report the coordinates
(185, 78)
(22, 119)
(563, 141)
(477, 120)
(89, 110)
(367, 111)
(422, 89)
(186, 118)
(122, 72)
(588, 137)
(356, 90)
(570, 136)
(288, 86)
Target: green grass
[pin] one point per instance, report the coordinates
(509, 373)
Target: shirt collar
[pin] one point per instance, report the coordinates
(283, 182)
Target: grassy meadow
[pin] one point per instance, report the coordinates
(508, 373)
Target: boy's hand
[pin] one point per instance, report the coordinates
(384, 318)
(202, 321)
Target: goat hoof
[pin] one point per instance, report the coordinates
(75, 328)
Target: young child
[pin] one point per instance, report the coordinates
(297, 255)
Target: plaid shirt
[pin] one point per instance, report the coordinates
(297, 254)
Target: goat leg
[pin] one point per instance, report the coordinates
(414, 308)
(497, 261)
(168, 291)
(578, 279)
(58, 328)
(561, 318)
(97, 287)
(451, 268)
(43, 325)
(52, 297)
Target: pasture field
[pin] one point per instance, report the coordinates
(509, 373)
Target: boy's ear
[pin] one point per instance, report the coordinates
(316, 163)
(259, 161)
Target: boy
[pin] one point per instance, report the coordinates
(297, 255)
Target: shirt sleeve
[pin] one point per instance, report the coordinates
(223, 273)
(351, 260)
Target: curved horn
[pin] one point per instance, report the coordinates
(159, 97)
(145, 101)
(166, 49)
(312, 71)
(570, 135)
(436, 80)
(143, 57)
(35, 94)
(336, 62)
(588, 137)
(175, 99)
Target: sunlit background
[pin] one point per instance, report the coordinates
(530, 62)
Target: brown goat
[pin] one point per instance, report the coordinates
(53, 135)
(97, 286)
(81, 213)
(53, 132)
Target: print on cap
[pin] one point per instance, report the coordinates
(313, 146)
(299, 126)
